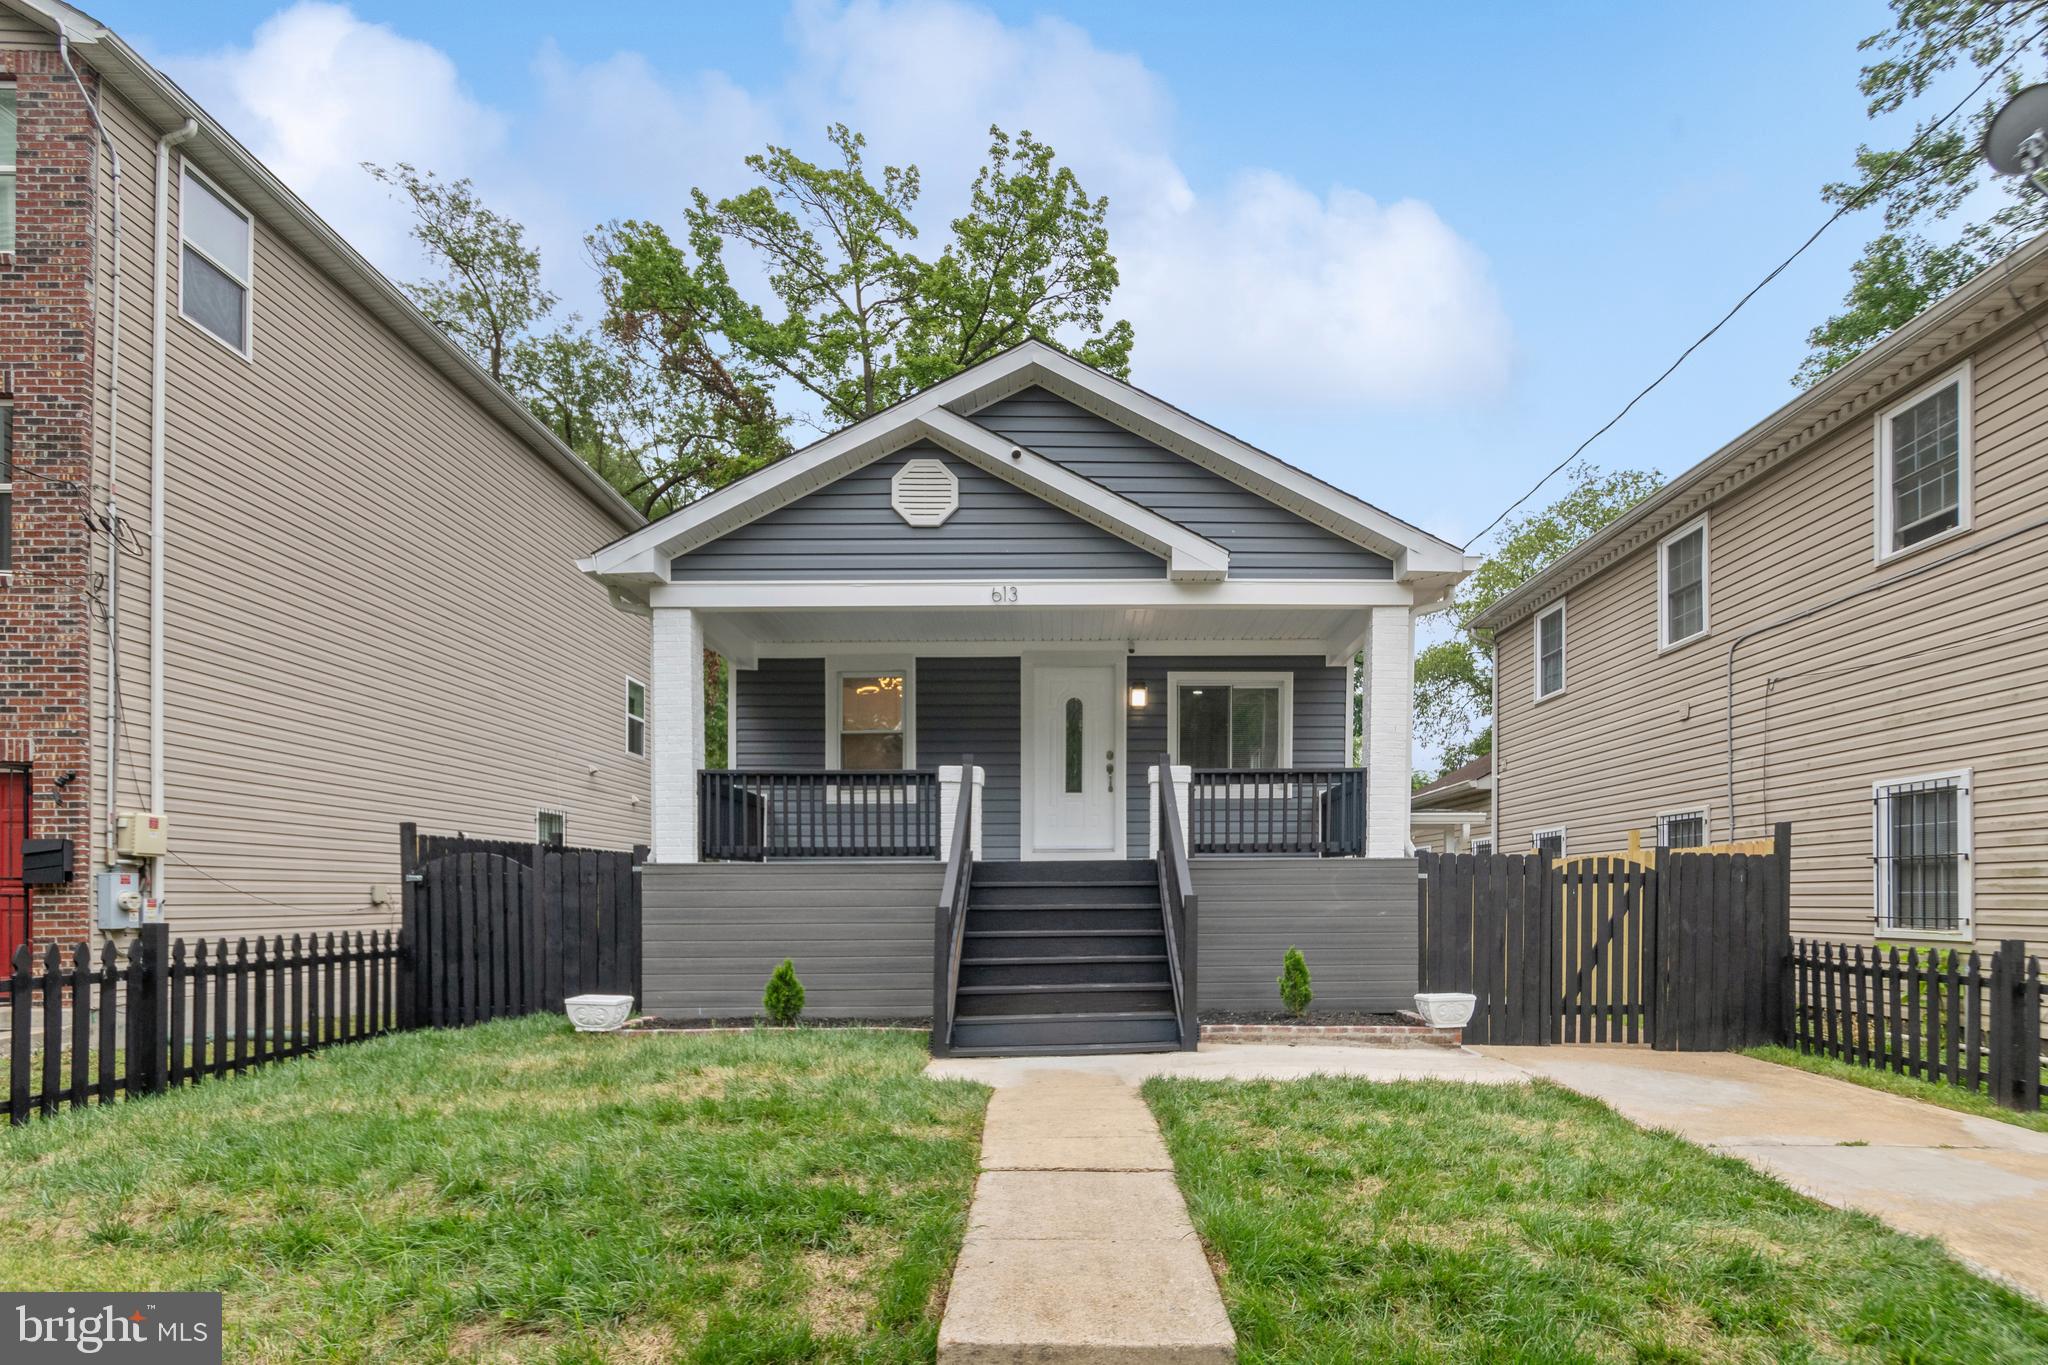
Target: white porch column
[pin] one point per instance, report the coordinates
(949, 806)
(1389, 699)
(677, 669)
(1182, 777)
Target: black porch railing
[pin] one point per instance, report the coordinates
(756, 814)
(1310, 811)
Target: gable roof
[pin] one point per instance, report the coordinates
(1997, 298)
(165, 107)
(941, 414)
(1463, 780)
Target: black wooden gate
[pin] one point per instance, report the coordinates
(1690, 954)
(496, 930)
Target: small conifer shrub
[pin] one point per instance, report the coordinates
(784, 998)
(1294, 988)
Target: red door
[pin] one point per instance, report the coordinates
(13, 895)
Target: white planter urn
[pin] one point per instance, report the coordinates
(606, 1013)
(1445, 1009)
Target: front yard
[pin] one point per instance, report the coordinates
(1440, 1221)
(516, 1191)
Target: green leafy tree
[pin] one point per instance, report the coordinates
(1454, 677)
(1945, 216)
(1295, 993)
(858, 320)
(783, 998)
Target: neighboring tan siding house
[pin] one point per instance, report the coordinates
(370, 607)
(1801, 629)
(1454, 814)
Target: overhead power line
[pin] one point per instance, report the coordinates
(1854, 202)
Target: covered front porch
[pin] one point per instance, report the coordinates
(850, 720)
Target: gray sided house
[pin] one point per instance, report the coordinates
(1026, 669)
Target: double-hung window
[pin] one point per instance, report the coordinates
(1682, 585)
(1923, 466)
(1682, 829)
(1550, 652)
(873, 715)
(636, 717)
(1921, 842)
(8, 141)
(218, 264)
(1236, 721)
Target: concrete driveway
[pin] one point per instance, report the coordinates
(1978, 1185)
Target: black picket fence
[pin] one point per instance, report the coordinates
(1939, 1015)
(177, 1012)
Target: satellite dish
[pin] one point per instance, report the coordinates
(2016, 143)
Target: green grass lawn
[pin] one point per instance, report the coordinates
(1912, 1087)
(520, 1192)
(1435, 1221)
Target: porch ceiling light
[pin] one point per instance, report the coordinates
(1140, 697)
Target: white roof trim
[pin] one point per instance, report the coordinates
(643, 555)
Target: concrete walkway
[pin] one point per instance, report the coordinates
(1243, 1062)
(1976, 1184)
(1078, 1244)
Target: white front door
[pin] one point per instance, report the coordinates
(1074, 786)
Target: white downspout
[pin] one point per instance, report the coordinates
(160, 262)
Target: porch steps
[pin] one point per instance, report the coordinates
(1064, 958)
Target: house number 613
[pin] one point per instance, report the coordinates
(1006, 593)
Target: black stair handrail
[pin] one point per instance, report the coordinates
(1177, 906)
(949, 924)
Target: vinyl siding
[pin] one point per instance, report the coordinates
(1352, 918)
(972, 706)
(848, 531)
(780, 715)
(373, 612)
(1264, 540)
(1941, 671)
(860, 935)
(1319, 699)
(1440, 838)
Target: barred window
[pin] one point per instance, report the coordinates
(1683, 829)
(1549, 841)
(1922, 848)
(551, 827)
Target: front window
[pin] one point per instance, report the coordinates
(551, 827)
(1550, 652)
(1683, 829)
(1682, 574)
(1237, 722)
(1549, 841)
(7, 144)
(1922, 847)
(1924, 467)
(636, 717)
(871, 713)
(219, 258)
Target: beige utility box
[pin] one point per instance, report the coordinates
(141, 834)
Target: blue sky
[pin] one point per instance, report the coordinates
(1421, 251)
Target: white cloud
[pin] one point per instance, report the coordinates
(1259, 287)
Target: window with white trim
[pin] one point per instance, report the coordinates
(873, 722)
(1682, 829)
(551, 827)
(1682, 585)
(6, 487)
(218, 262)
(1482, 848)
(1923, 465)
(1549, 841)
(8, 142)
(1550, 652)
(1921, 844)
(1231, 721)
(636, 717)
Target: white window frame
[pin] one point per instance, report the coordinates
(1482, 848)
(247, 350)
(1536, 837)
(838, 666)
(1563, 652)
(1961, 377)
(10, 168)
(1205, 678)
(644, 718)
(1965, 930)
(543, 813)
(1664, 640)
(1703, 812)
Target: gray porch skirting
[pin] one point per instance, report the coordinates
(860, 933)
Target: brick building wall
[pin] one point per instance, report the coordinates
(47, 375)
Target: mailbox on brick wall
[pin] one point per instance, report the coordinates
(46, 862)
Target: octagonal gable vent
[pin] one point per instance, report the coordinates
(924, 492)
